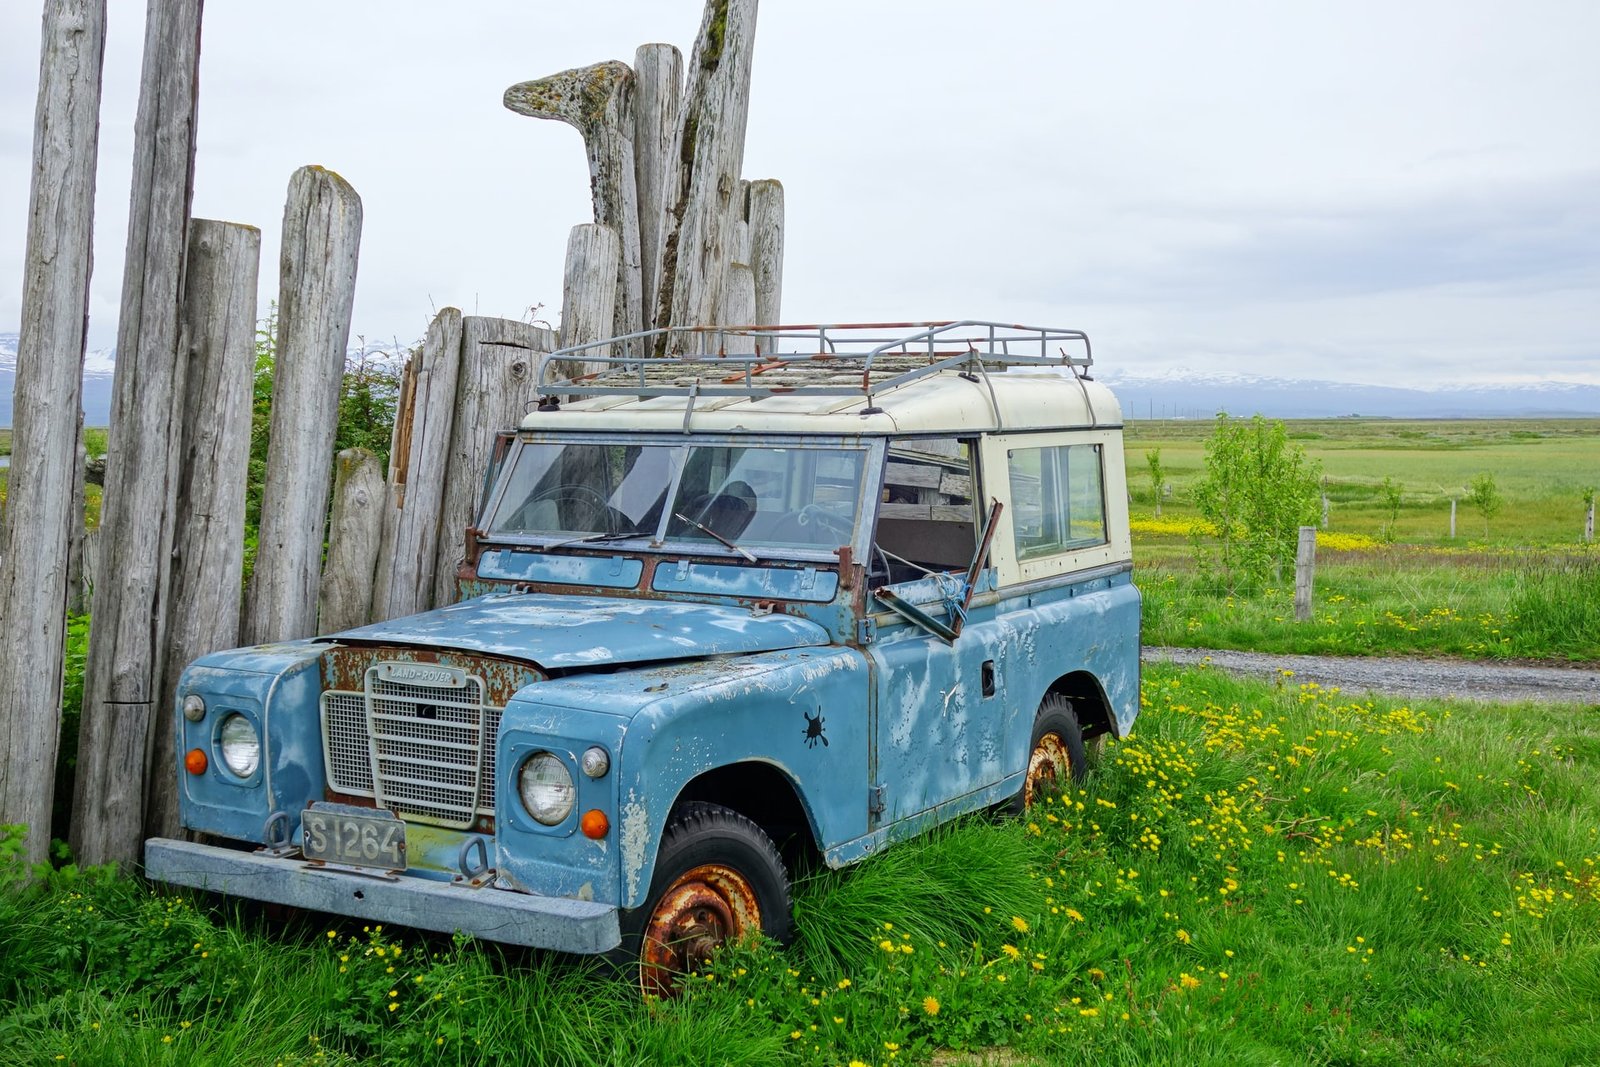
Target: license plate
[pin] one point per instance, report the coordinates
(354, 837)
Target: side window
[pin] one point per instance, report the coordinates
(926, 520)
(1057, 499)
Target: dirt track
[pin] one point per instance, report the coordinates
(1435, 678)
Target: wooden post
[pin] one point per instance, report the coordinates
(1324, 511)
(598, 101)
(1588, 523)
(1305, 566)
(136, 512)
(218, 349)
(739, 300)
(498, 360)
(77, 598)
(405, 574)
(316, 288)
(586, 311)
(1452, 519)
(766, 249)
(658, 96)
(37, 520)
(710, 154)
(355, 527)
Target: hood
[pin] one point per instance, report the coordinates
(583, 631)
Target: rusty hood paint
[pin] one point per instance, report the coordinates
(558, 632)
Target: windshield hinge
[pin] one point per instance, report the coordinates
(866, 631)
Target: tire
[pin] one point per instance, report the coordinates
(718, 879)
(1055, 751)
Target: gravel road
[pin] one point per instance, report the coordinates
(1435, 678)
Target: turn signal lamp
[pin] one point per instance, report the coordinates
(594, 824)
(194, 761)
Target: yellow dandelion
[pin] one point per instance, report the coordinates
(886, 945)
(1019, 924)
(1075, 915)
(1188, 981)
(1089, 1012)
(394, 1007)
(1012, 951)
(930, 1005)
(1183, 935)
(844, 983)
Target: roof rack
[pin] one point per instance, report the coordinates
(854, 359)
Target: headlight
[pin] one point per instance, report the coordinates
(546, 788)
(240, 744)
(194, 707)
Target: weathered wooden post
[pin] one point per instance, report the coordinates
(1452, 518)
(658, 96)
(35, 527)
(77, 599)
(136, 522)
(405, 568)
(586, 311)
(1588, 521)
(498, 361)
(739, 299)
(766, 248)
(710, 154)
(1305, 565)
(316, 288)
(598, 101)
(218, 352)
(355, 527)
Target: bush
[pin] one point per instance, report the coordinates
(1258, 490)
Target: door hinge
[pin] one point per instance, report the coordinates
(866, 631)
(875, 800)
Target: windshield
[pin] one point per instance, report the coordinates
(761, 497)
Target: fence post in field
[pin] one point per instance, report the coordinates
(1452, 518)
(37, 518)
(136, 512)
(1305, 565)
(766, 248)
(316, 288)
(598, 101)
(1588, 522)
(498, 361)
(218, 351)
(405, 570)
(586, 309)
(658, 95)
(710, 152)
(355, 527)
(1324, 511)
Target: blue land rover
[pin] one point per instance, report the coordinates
(798, 597)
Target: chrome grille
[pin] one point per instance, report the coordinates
(429, 749)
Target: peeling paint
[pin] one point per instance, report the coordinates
(634, 839)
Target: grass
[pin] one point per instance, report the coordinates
(1262, 874)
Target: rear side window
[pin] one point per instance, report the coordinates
(1058, 499)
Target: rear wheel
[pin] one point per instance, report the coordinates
(1055, 756)
(718, 880)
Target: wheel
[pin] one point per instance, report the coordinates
(718, 879)
(1055, 752)
(575, 502)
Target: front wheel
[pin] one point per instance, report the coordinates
(718, 879)
(1055, 754)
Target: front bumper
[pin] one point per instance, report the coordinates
(557, 923)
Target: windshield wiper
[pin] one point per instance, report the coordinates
(703, 528)
(595, 539)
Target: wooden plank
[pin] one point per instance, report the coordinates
(136, 511)
(913, 474)
(498, 360)
(218, 350)
(316, 288)
(927, 512)
(658, 97)
(355, 527)
(710, 151)
(959, 485)
(37, 521)
(405, 576)
(766, 248)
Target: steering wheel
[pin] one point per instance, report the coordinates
(821, 516)
(584, 502)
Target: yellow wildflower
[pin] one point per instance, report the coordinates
(1020, 924)
(930, 1005)
(1012, 951)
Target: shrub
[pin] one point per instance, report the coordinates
(1257, 491)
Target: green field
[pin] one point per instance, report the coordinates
(1259, 875)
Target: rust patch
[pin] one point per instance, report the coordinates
(704, 908)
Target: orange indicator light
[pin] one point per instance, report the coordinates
(594, 824)
(194, 761)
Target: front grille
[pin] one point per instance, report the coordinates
(425, 752)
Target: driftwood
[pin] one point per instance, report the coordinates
(586, 310)
(136, 515)
(218, 350)
(405, 574)
(710, 153)
(355, 526)
(658, 95)
(765, 213)
(37, 519)
(598, 101)
(316, 288)
(498, 361)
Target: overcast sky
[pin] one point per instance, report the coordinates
(1403, 193)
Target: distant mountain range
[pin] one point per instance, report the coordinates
(1180, 394)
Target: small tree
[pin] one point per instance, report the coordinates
(1485, 498)
(1158, 477)
(1391, 491)
(1258, 490)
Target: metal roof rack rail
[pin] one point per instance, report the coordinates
(851, 359)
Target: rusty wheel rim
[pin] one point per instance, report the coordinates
(1047, 765)
(704, 908)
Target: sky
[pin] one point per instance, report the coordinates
(1359, 191)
